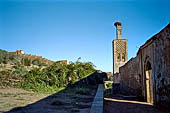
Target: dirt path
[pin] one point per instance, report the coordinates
(14, 97)
(113, 105)
(66, 101)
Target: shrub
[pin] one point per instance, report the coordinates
(55, 76)
(7, 78)
(20, 70)
(36, 62)
(26, 62)
(5, 57)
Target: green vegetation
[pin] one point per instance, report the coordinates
(26, 62)
(108, 87)
(48, 79)
(38, 62)
(6, 58)
(55, 76)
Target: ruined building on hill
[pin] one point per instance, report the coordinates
(148, 74)
(32, 57)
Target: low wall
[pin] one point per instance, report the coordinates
(97, 106)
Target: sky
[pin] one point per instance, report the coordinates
(69, 29)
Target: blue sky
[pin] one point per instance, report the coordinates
(67, 29)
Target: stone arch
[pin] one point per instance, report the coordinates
(118, 57)
(123, 57)
(148, 80)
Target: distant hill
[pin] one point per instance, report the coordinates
(39, 74)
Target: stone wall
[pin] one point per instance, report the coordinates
(130, 74)
(97, 106)
(148, 74)
(161, 64)
(63, 62)
(32, 57)
(17, 52)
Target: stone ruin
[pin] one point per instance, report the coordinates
(148, 74)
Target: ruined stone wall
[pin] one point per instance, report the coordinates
(32, 57)
(17, 52)
(63, 62)
(162, 65)
(156, 52)
(131, 77)
(146, 54)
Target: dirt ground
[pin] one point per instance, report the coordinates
(13, 97)
(120, 105)
(20, 101)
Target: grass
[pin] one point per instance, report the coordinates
(41, 89)
(5, 94)
(8, 105)
(20, 99)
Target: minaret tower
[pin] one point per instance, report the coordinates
(118, 30)
(120, 50)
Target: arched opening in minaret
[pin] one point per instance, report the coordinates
(123, 57)
(118, 57)
(149, 85)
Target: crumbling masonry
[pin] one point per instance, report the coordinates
(148, 74)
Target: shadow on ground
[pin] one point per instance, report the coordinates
(76, 98)
(117, 101)
(118, 104)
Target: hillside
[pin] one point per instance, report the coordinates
(20, 71)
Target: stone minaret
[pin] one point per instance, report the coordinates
(120, 50)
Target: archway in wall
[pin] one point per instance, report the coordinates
(149, 85)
